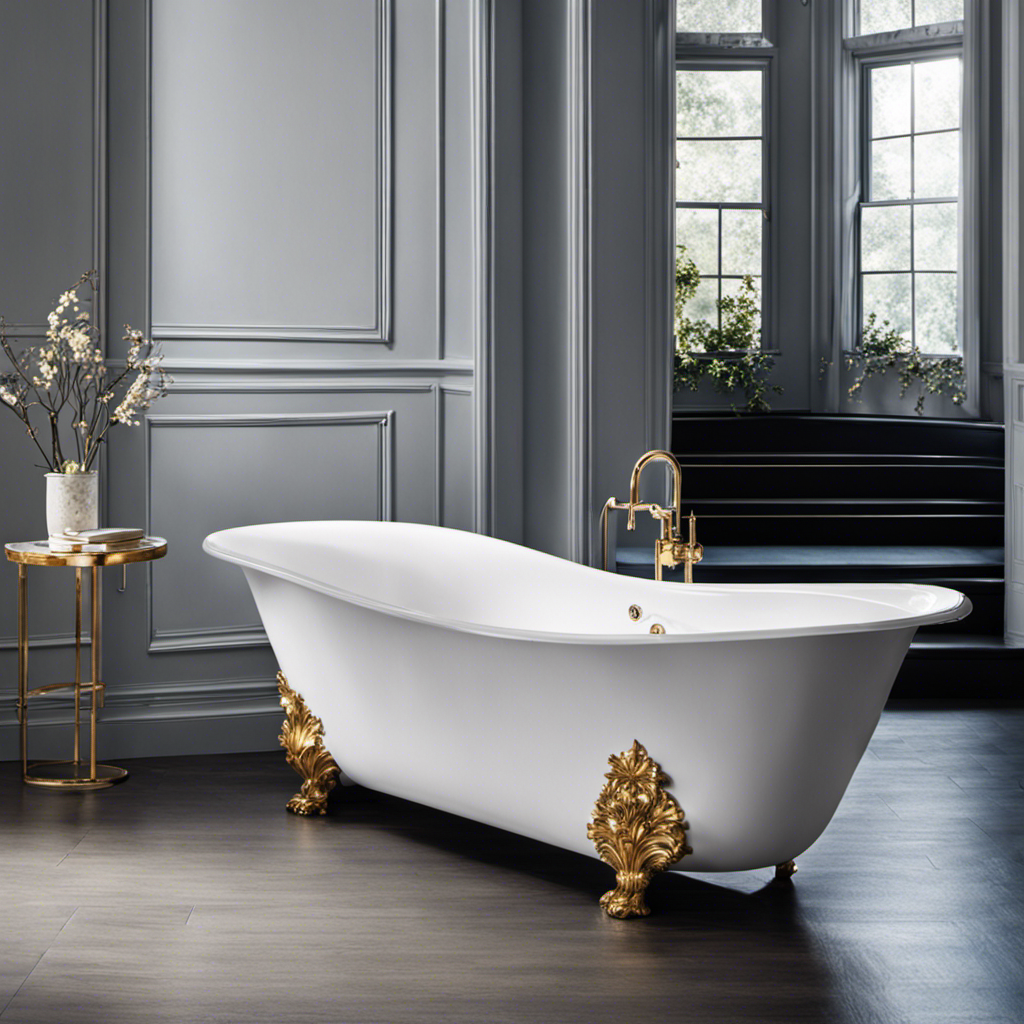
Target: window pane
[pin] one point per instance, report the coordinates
(698, 231)
(885, 238)
(932, 12)
(888, 297)
(937, 165)
(935, 237)
(889, 15)
(883, 16)
(716, 103)
(718, 15)
(936, 94)
(890, 169)
(890, 101)
(741, 241)
(704, 304)
(732, 286)
(718, 172)
(935, 307)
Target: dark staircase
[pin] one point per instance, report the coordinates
(803, 498)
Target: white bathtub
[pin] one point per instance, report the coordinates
(493, 681)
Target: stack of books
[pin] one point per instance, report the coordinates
(107, 538)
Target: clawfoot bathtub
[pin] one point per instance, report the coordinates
(492, 681)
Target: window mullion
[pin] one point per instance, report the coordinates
(720, 235)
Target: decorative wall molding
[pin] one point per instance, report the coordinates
(440, 141)
(482, 201)
(297, 385)
(321, 367)
(380, 332)
(17, 331)
(441, 391)
(157, 719)
(215, 638)
(38, 640)
(580, 263)
(35, 332)
(212, 639)
(99, 169)
(149, 700)
(438, 457)
(186, 716)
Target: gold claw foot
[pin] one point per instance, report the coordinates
(638, 829)
(302, 738)
(627, 898)
(784, 872)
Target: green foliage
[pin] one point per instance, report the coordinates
(729, 356)
(882, 348)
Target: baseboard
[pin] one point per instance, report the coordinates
(156, 720)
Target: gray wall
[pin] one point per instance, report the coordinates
(597, 216)
(402, 257)
(288, 197)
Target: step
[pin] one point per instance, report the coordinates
(976, 572)
(792, 432)
(757, 521)
(767, 563)
(961, 666)
(755, 504)
(828, 478)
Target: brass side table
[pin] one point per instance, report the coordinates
(75, 773)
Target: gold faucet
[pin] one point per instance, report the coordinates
(669, 549)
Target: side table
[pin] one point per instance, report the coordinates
(76, 772)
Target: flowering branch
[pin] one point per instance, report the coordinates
(68, 374)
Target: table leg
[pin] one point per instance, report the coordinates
(78, 664)
(23, 662)
(96, 629)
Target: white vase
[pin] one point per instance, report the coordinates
(72, 502)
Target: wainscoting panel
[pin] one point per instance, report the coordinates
(456, 463)
(49, 123)
(287, 193)
(237, 469)
(256, 107)
(52, 124)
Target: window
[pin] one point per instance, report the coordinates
(720, 155)
(712, 17)
(911, 184)
(843, 155)
(722, 185)
(874, 16)
(906, 131)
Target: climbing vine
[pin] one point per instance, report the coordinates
(729, 355)
(882, 349)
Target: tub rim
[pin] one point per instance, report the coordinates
(960, 610)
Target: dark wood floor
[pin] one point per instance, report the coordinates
(188, 894)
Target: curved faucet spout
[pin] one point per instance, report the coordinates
(669, 549)
(658, 455)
